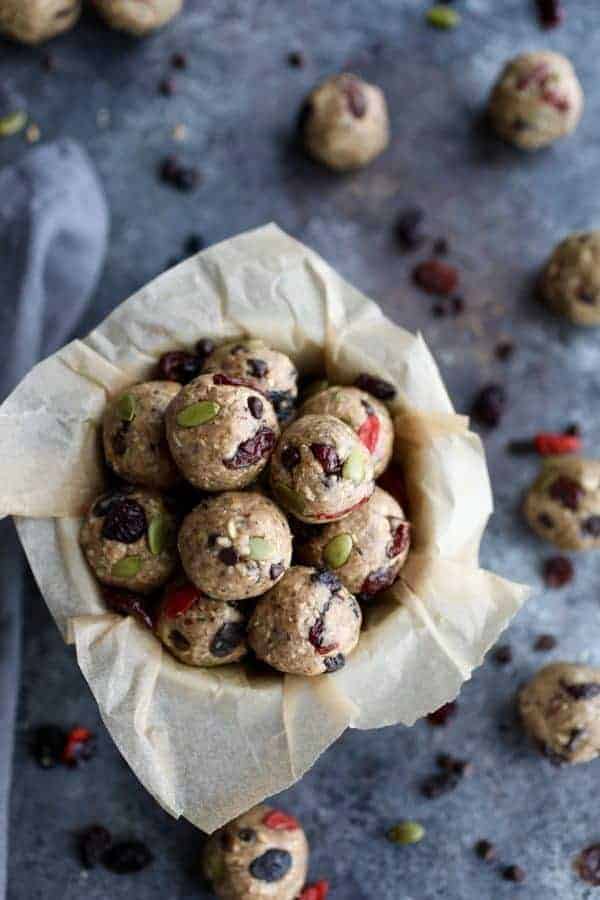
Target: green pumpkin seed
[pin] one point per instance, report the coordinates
(406, 833)
(12, 123)
(198, 414)
(158, 534)
(289, 498)
(260, 549)
(338, 550)
(128, 567)
(126, 407)
(442, 16)
(354, 467)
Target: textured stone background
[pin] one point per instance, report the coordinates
(502, 212)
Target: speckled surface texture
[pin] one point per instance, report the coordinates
(502, 212)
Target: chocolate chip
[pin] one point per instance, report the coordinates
(503, 655)
(588, 864)
(125, 522)
(582, 691)
(486, 850)
(514, 873)
(127, 857)
(272, 865)
(551, 12)
(194, 243)
(255, 405)
(228, 637)
(489, 405)
(178, 175)
(290, 457)
(179, 641)
(167, 87)
(544, 643)
(258, 368)
(228, 556)
(460, 767)
(381, 389)
(333, 663)
(558, 571)
(566, 491)
(440, 717)
(106, 501)
(276, 570)
(591, 526)
(93, 843)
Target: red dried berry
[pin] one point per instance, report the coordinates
(368, 432)
(567, 492)
(503, 655)
(315, 637)
(553, 98)
(343, 512)
(377, 581)
(327, 456)
(316, 891)
(79, 747)
(126, 603)
(548, 444)
(231, 381)
(558, 571)
(400, 541)
(179, 365)
(381, 389)
(125, 522)
(441, 716)
(588, 864)
(485, 850)
(253, 450)
(280, 821)
(436, 277)
(179, 599)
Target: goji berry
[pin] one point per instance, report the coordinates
(368, 432)
(549, 444)
(278, 820)
(317, 891)
(180, 599)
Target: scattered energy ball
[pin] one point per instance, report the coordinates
(138, 17)
(235, 545)
(320, 470)
(307, 624)
(135, 443)
(366, 416)
(563, 504)
(34, 21)
(560, 710)
(262, 855)
(571, 280)
(344, 122)
(221, 433)
(128, 538)
(536, 100)
(198, 630)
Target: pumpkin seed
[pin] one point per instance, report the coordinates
(442, 16)
(292, 499)
(158, 534)
(126, 407)
(354, 467)
(128, 567)
(198, 414)
(338, 550)
(260, 548)
(406, 833)
(12, 123)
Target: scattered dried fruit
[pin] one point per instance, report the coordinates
(229, 556)
(271, 866)
(180, 598)
(368, 433)
(80, 746)
(93, 843)
(567, 492)
(127, 857)
(548, 444)
(327, 456)
(489, 405)
(551, 12)
(400, 540)
(544, 643)
(558, 571)
(316, 891)
(296, 59)
(406, 833)
(436, 277)
(278, 820)
(255, 405)
(503, 655)
(587, 864)
(179, 365)
(178, 175)
(377, 581)
(514, 873)
(125, 521)
(333, 663)
(439, 784)
(485, 850)
(127, 604)
(581, 690)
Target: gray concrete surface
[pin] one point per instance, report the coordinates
(502, 212)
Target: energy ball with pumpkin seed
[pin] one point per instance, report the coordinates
(366, 550)
(221, 433)
(235, 545)
(536, 100)
(261, 855)
(563, 504)
(307, 624)
(198, 630)
(560, 710)
(320, 470)
(135, 442)
(571, 280)
(366, 416)
(129, 539)
(268, 370)
(344, 122)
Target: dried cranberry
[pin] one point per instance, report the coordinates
(93, 843)
(355, 97)
(566, 491)
(255, 405)
(489, 404)
(591, 526)
(278, 820)
(588, 864)
(514, 873)
(290, 457)
(253, 450)
(441, 716)
(258, 368)
(400, 540)
(327, 456)
(377, 581)
(544, 643)
(486, 850)
(316, 891)
(179, 365)
(127, 857)
(127, 604)
(283, 404)
(503, 655)
(79, 747)
(47, 745)
(558, 571)
(179, 599)
(328, 578)
(549, 444)
(228, 637)
(333, 663)
(275, 571)
(381, 389)
(105, 502)
(436, 277)
(228, 556)
(368, 433)
(408, 229)
(315, 637)
(231, 381)
(551, 12)
(581, 691)
(125, 522)
(272, 865)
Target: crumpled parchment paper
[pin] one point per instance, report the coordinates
(210, 743)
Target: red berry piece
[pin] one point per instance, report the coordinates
(280, 821)
(253, 450)
(179, 365)
(368, 432)
(126, 603)
(400, 540)
(436, 277)
(125, 521)
(377, 581)
(316, 891)
(79, 747)
(558, 571)
(548, 444)
(327, 456)
(180, 599)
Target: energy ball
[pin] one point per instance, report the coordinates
(268, 370)
(344, 122)
(307, 624)
(235, 545)
(262, 855)
(364, 414)
(128, 538)
(34, 21)
(571, 280)
(221, 433)
(200, 631)
(536, 100)
(563, 504)
(138, 17)
(320, 470)
(560, 710)
(135, 442)
(366, 550)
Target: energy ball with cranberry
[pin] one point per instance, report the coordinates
(366, 416)
(262, 855)
(129, 539)
(560, 710)
(536, 100)
(571, 280)
(198, 630)
(307, 624)
(344, 122)
(137, 17)
(366, 550)
(268, 370)
(235, 545)
(563, 504)
(221, 434)
(135, 442)
(320, 470)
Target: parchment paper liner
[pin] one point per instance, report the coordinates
(210, 743)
